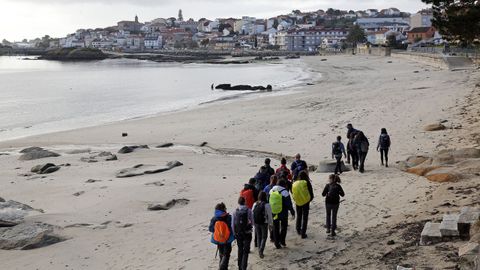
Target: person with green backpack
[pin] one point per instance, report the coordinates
(222, 235)
(281, 204)
(302, 193)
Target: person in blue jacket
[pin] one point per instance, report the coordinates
(224, 249)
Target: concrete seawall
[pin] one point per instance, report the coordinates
(424, 58)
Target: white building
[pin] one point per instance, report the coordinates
(153, 43)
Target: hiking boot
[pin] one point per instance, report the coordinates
(328, 230)
(333, 233)
(284, 244)
(261, 255)
(386, 165)
(278, 246)
(304, 236)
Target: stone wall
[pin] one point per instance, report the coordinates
(376, 51)
(424, 58)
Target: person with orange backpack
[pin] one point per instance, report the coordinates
(242, 225)
(302, 193)
(222, 234)
(250, 193)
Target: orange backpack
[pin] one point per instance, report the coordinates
(221, 233)
(247, 194)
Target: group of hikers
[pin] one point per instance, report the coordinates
(265, 202)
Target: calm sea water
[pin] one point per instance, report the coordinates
(45, 96)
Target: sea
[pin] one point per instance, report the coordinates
(41, 96)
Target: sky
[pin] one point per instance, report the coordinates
(21, 19)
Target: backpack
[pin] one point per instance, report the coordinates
(247, 194)
(259, 213)
(221, 233)
(241, 221)
(300, 192)
(276, 201)
(337, 150)
(384, 141)
(300, 166)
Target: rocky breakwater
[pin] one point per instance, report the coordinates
(229, 87)
(74, 54)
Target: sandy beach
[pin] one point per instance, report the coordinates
(106, 223)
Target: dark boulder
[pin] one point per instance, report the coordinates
(33, 153)
(28, 235)
(165, 145)
(45, 168)
(130, 149)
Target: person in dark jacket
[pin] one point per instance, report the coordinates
(223, 249)
(297, 166)
(242, 225)
(338, 150)
(361, 144)
(303, 211)
(262, 178)
(280, 222)
(332, 193)
(270, 170)
(384, 145)
(351, 150)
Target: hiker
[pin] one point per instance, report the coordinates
(283, 171)
(332, 193)
(263, 220)
(338, 149)
(242, 224)
(222, 234)
(281, 204)
(302, 193)
(270, 170)
(262, 178)
(361, 145)
(297, 166)
(384, 145)
(351, 150)
(250, 193)
(273, 182)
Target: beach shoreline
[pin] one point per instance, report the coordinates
(369, 92)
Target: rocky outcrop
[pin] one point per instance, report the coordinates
(74, 54)
(445, 166)
(229, 87)
(165, 145)
(147, 169)
(102, 156)
(130, 149)
(168, 205)
(33, 153)
(45, 168)
(328, 166)
(434, 127)
(28, 235)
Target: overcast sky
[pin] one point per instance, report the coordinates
(35, 18)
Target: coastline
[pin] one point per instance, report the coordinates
(370, 92)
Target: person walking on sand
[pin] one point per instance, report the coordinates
(351, 150)
(270, 170)
(273, 182)
(263, 220)
(302, 193)
(222, 234)
(262, 178)
(297, 166)
(332, 193)
(283, 171)
(384, 145)
(242, 224)
(361, 144)
(250, 193)
(281, 204)
(338, 149)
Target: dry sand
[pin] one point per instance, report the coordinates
(381, 205)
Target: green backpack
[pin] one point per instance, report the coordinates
(275, 202)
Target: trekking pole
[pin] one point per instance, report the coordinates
(216, 253)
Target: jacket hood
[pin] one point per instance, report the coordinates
(248, 186)
(219, 213)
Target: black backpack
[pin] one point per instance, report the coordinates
(241, 221)
(337, 149)
(384, 141)
(259, 213)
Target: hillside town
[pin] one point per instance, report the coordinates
(296, 32)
